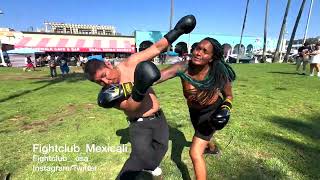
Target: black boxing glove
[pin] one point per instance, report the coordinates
(108, 96)
(145, 74)
(221, 117)
(184, 26)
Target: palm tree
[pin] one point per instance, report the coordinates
(281, 35)
(265, 31)
(294, 31)
(243, 25)
(307, 25)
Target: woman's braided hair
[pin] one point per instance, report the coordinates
(220, 72)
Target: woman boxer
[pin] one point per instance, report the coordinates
(206, 82)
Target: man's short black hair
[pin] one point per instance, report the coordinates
(91, 67)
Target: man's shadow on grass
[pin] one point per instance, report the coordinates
(178, 140)
(70, 78)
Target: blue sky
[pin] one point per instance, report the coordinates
(213, 16)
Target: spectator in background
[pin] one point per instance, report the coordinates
(29, 64)
(52, 65)
(315, 60)
(303, 58)
(63, 65)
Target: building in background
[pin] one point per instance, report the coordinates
(84, 29)
(8, 38)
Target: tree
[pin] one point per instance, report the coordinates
(243, 25)
(281, 35)
(294, 31)
(265, 31)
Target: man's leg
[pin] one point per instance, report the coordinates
(160, 138)
(51, 72)
(298, 64)
(141, 139)
(196, 153)
(55, 72)
(304, 65)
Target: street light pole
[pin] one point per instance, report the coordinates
(171, 17)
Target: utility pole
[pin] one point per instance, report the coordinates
(1, 53)
(243, 26)
(307, 25)
(171, 17)
(265, 32)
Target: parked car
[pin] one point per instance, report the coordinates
(247, 58)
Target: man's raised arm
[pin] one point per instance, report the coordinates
(184, 26)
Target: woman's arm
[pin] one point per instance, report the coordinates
(171, 71)
(227, 91)
(315, 52)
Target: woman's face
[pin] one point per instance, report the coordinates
(203, 53)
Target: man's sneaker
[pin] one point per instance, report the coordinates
(156, 174)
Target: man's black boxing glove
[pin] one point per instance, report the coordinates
(145, 74)
(184, 26)
(221, 117)
(108, 96)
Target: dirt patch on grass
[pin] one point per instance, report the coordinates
(54, 119)
(24, 77)
(263, 155)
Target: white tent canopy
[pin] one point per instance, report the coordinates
(25, 51)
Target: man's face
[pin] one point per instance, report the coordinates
(107, 75)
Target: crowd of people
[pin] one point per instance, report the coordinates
(63, 61)
(309, 54)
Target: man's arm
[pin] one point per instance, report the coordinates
(149, 53)
(184, 26)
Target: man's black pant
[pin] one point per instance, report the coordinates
(149, 143)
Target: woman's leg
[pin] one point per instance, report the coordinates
(311, 69)
(318, 69)
(196, 153)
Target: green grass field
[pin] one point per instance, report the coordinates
(273, 134)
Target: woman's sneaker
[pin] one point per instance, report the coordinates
(215, 152)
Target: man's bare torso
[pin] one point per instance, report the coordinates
(150, 104)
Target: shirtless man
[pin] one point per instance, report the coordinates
(127, 87)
